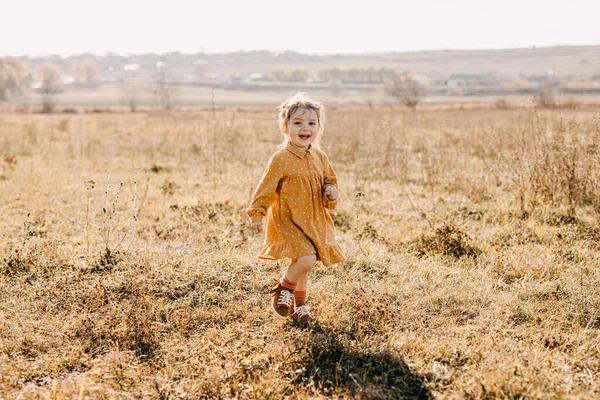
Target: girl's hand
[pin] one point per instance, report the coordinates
(257, 226)
(331, 192)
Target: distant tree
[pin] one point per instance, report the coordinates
(86, 73)
(299, 75)
(14, 79)
(164, 89)
(131, 89)
(130, 92)
(405, 90)
(50, 83)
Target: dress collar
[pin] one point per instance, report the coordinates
(296, 151)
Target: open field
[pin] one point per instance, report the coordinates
(472, 236)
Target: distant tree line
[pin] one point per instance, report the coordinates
(289, 75)
(357, 75)
(344, 75)
(16, 80)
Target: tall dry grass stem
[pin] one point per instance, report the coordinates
(90, 184)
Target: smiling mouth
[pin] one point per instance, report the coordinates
(303, 137)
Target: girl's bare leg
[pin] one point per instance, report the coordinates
(302, 283)
(300, 294)
(299, 267)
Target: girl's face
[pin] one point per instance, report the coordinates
(302, 128)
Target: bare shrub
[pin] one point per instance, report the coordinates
(164, 90)
(545, 96)
(565, 164)
(501, 104)
(405, 90)
(131, 325)
(448, 240)
(553, 164)
(130, 93)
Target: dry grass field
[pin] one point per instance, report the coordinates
(472, 236)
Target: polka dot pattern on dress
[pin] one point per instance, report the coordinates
(290, 194)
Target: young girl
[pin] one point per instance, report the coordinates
(297, 187)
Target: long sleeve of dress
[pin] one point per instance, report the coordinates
(266, 192)
(329, 179)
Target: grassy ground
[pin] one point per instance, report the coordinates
(128, 266)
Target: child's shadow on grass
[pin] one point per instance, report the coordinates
(333, 369)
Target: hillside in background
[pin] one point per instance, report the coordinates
(573, 61)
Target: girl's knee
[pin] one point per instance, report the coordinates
(308, 261)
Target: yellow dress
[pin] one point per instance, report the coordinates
(291, 195)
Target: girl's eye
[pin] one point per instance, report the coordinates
(296, 123)
(312, 123)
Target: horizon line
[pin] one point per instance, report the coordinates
(437, 50)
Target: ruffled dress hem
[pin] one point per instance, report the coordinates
(328, 255)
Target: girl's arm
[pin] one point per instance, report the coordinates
(265, 192)
(330, 180)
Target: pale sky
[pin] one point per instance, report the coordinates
(315, 27)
